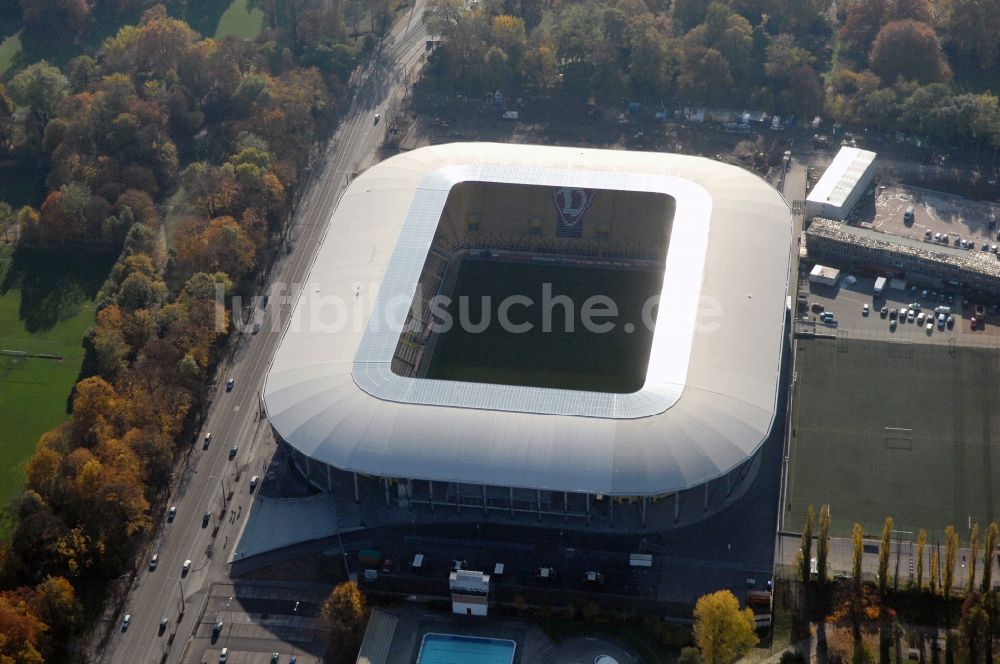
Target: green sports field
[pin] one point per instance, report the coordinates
(567, 358)
(46, 306)
(882, 429)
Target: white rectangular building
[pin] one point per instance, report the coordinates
(470, 592)
(823, 275)
(842, 185)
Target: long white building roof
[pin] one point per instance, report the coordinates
(841, 176)
(711, 388)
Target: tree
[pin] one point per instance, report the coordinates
(56, 605)
(21, 630)
(935, 573)
(973, 26)
(989, 550)
(910, 50)
(823, 544)
(784, 56)
(973, 558)
(857, 535)
(689, 13)
(689, 656)
(974, 634)
(705, 76)
(921, 543)
(864, 18)
(344, 612)
(884, 548)
(950, 556)
(39, 87)
(805, 550)
(721, 630)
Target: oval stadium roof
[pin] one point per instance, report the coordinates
(712, 384)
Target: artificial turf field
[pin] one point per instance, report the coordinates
(46, 306)
(563, 358)
(889, 429)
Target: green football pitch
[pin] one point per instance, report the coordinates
(563, 357)
(882, 429)
(46, 306)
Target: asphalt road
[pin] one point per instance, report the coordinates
(161, 593)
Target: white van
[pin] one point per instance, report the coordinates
(223, 655)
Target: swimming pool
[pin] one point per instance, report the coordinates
(453, 649)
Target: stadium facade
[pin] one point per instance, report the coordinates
(348, 389)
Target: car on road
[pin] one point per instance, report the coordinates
(208, 441)
(172, 514)
(378, 116)
(233, 450)
(205, 519)
(253, 482)
(229, 384)
(223, 655)
(274, 658)
(126, 621)
(217, 628)
(186, 567)
(163, 625)
(153, 561)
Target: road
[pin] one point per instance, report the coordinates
(232, 418)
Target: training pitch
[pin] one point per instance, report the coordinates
(882, 429)
(46, 306)
(565, 358)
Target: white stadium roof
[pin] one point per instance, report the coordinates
(711, 388)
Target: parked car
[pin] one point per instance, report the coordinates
(883, 312)
(893, 313)
(929, 327)
(865, 310)
(892, 325)
(950, 322)
(909, 316)
(920, 319)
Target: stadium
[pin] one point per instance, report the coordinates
(538, 333)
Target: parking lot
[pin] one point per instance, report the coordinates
(936, 213)
(846, 302)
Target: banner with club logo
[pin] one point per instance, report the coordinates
(571, 203)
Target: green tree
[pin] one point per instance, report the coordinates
(989, 550)
(722, 631)
(689, 13)
(823, 544)
(805, 549)
(973, 558)
(784, 55)
(884, 548)
(689, 656)
(921, 543)
(39, 87)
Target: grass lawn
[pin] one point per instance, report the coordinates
(882, 429)
(46, 306)
(240, 21)
(616, 360)
(9, 48)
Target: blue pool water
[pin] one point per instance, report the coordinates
(451, 649)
